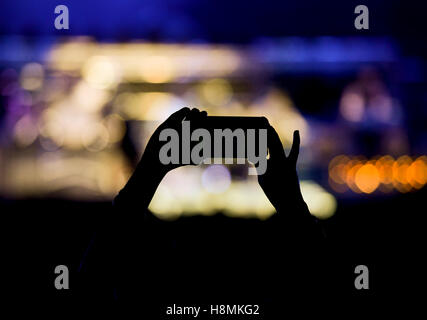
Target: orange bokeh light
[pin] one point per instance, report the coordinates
(367, 178)
(381, 173)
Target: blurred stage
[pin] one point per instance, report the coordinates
(77, 108)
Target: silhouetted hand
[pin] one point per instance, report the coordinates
(149, 172)
(151, 154)
(280, 181)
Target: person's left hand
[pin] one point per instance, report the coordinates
(151, 154)
(140, 188)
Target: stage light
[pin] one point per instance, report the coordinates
(352, 106)
(25, 131)
(321, 203)
(367, 178)
(156, 69)
(96, 138)
(383, 173)
(100, 72)
(115, 126)
(216, 92)
(216, 178)
(32, 76)
(417, 172)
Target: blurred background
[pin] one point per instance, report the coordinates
(78, 106)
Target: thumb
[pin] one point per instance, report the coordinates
(293, 155)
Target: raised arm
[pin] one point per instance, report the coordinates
(281, 185)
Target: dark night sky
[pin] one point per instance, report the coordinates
(236, 21)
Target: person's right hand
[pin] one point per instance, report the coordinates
(280, 181)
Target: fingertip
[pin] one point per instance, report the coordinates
(293, 155)
(265, 120)
(194, 113)
(296, 135)
(183, 112)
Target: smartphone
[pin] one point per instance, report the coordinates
(231, 137)
(233, 123)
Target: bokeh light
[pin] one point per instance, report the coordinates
(90, 101)
(100, 72)
(384, 174)
(216, 178)
(321, 203)
(367, 178)
(32, 76)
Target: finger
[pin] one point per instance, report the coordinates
(293, 155)
(178, 116)
(274, 144)
(194, 113)
(196, 116)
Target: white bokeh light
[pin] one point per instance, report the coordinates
(216, 178)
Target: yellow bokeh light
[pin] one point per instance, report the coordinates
(100, 72)
(96, 138)
(148, 106)
(88, 98)
(116, 127)
(216, 92)
(156, 69)
(321, 203)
